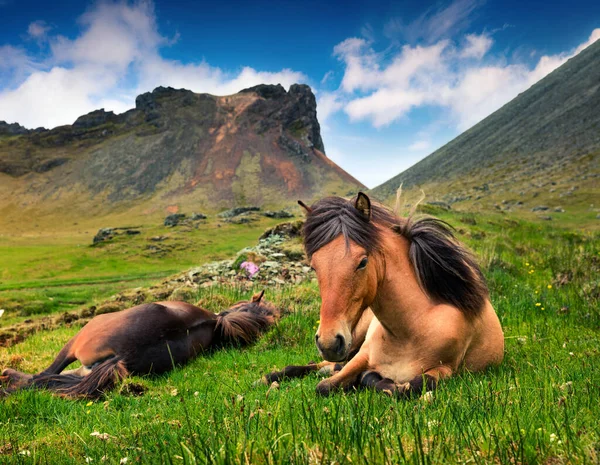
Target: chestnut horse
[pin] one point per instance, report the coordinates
(403, 303)
(149, 338)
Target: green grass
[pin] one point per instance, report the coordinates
(50, 274)
(524, 411)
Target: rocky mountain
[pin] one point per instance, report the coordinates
(176, 148)
(543, 146)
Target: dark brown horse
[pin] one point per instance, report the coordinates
(149, 338)
(403, 303)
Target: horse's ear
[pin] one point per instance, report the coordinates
(363, 205)
(306, 207)
(258, 296)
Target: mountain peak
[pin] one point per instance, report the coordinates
(547, 134)
(261, 146)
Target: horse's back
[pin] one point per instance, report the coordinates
(133, 332)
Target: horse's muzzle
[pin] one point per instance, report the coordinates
(333, 351)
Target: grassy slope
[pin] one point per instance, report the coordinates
(41, 275)
(521, 412)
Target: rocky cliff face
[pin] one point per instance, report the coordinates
(260, 146)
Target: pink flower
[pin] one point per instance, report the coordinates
(250, 268)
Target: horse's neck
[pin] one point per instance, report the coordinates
(400, 302)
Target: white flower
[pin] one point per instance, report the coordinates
(427, 397)
(553, 437)
(123, 460)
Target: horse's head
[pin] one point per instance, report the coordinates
(340, 237)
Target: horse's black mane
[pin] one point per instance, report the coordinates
(445, 269)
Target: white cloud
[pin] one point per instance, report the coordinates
(116, 57)
(434, 24)
(476, 46)
(381, 88)
(420, 146)
(327, 104)
(38, 29)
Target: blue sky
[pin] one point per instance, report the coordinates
(394, 80)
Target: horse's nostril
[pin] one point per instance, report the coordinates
(340, 343)
(316, 338)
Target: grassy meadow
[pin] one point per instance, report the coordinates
(540, 406)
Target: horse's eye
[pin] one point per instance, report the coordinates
(363, 263)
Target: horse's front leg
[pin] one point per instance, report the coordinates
(425, 382)
(347, 377)
(300, 371)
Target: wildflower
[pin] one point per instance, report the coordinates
(549, 286)
(174, 392)
(101, 436)
(553, 437)
(123, 461)
(526, 264)
(89, 403)
(250, 268)
(26, 453)
(538, 304)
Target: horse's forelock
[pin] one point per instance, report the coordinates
(332, 217)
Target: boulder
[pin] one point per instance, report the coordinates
(278, 214)
(237, 211)
(104, 234)
(174, 219)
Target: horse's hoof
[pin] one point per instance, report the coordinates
(324, 388)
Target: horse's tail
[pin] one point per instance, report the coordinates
(101, 379)
(245, 322)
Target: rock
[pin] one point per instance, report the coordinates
(13, 129)
(559, 210)
(268, 91)
(158, 238)
(540, 208)
(291, 230)
(198, 216)
(174, 219)
(278, 214)
(546, 218)
(237, 211)
(132, 232)
(241, 219)
(440, 204)
(271, 264)
(95, 118)
(104, 234)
